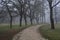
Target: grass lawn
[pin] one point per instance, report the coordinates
(7, 34)
(50, 34)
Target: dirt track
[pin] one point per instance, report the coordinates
(30, 33)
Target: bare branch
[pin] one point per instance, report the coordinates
(56, 4)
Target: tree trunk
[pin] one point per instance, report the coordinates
(42, 19)
(31, 17)
(25, 19)
(10, 22)
(37, 20)
(51, 17)
(10, 16)
(31, 20)
(21, 15)
(20, 20)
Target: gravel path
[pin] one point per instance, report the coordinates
(30, 33)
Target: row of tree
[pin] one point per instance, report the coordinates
(33, 9)
(22, 8)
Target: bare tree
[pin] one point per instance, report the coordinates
(51, 12)
(30, 7)
(9, 15)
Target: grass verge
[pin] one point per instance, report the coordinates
(7, 34)
(49, 34)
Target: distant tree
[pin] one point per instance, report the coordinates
(43, 11)
(9, 8)
(55, 11)
(38, 10)
(30, 13)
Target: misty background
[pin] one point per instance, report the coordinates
(42, 8)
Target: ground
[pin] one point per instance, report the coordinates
(7, 34)
(30, 33)
(47, 32)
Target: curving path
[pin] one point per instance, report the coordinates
(30, 33)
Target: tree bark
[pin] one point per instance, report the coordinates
(10, 22)
(21, 15)
(20, 20)
(51, 16)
